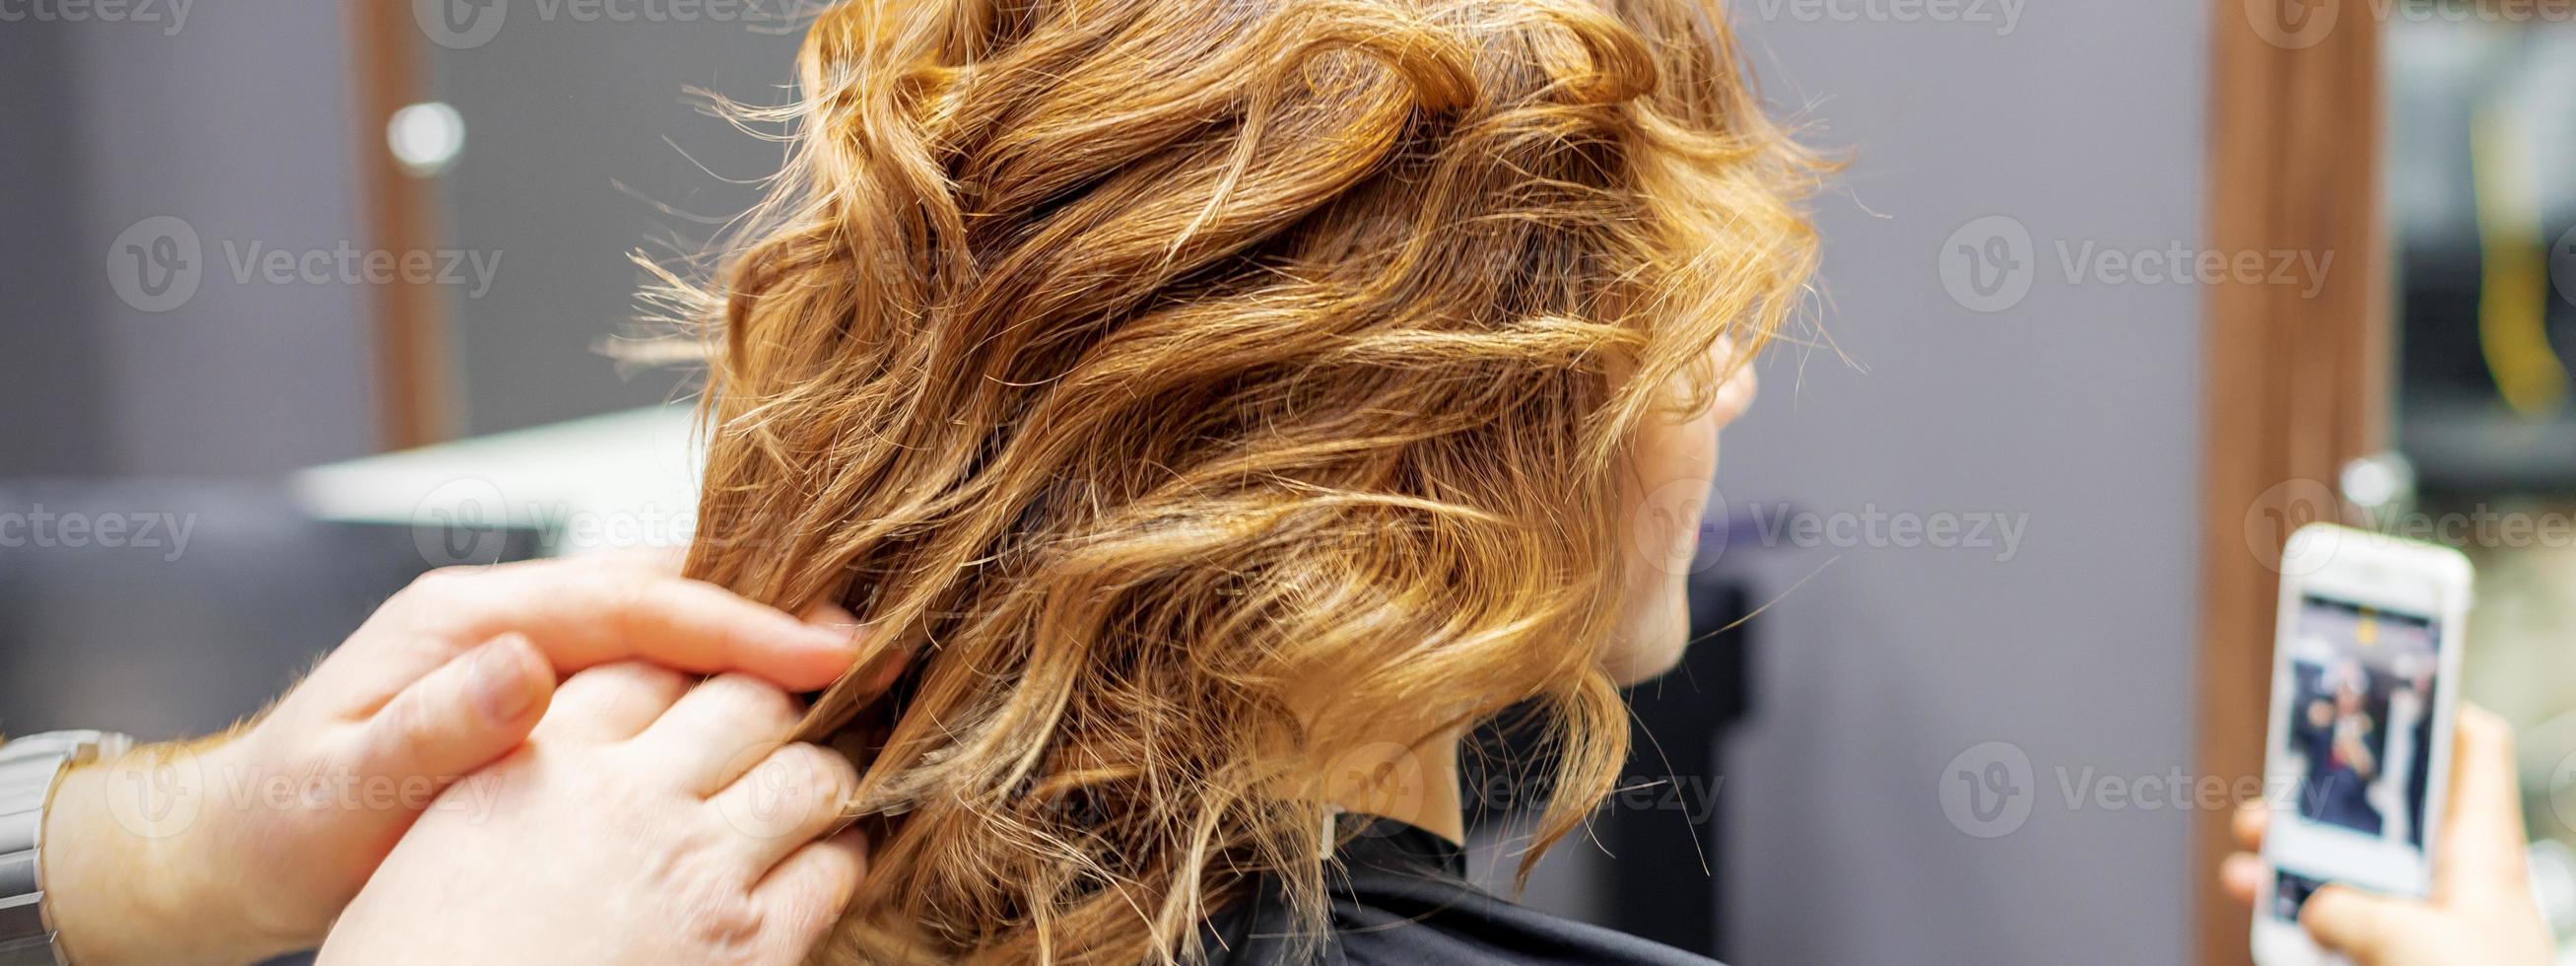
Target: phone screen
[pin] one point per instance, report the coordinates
(2358, 735)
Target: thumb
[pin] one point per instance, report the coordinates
(2368, 928)
(464, 714)
(2483, 849)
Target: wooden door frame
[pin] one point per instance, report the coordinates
(2295, 385)
(413, 360)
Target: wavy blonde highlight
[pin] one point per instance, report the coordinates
(1139, 364)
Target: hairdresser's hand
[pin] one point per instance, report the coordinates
(2481, 912)
(643, 823)
(237, 848)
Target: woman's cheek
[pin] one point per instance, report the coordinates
(1672, 468)
(1667, 498)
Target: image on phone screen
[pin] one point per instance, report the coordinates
(2360, 728)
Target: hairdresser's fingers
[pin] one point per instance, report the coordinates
(611, 702)
(587, 615)
(660, 560)
(720, 730)
(2364, 927)
(795, 795)
(2253, 818)
(2242, 875)
(805, 894)
(2483, 851)
(464, 715)
(586, 612)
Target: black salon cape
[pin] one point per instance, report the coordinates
(1400, 897)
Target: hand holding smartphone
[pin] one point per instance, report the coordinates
(2359, 772)
(2365, 681)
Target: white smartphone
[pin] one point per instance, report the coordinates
(2365, 678)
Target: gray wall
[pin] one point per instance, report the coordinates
(2076, 407)
(583, 144)
(47, 360)
(237, 122)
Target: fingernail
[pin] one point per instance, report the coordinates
(499, 682)
(839, 624)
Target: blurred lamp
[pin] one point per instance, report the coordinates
(2381, 485)
(426, 137)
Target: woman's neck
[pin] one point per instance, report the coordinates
(1415, 784)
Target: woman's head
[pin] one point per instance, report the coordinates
(1206, 388)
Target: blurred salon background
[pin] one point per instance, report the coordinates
(299, 300)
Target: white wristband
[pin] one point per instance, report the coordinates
(29, 768)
